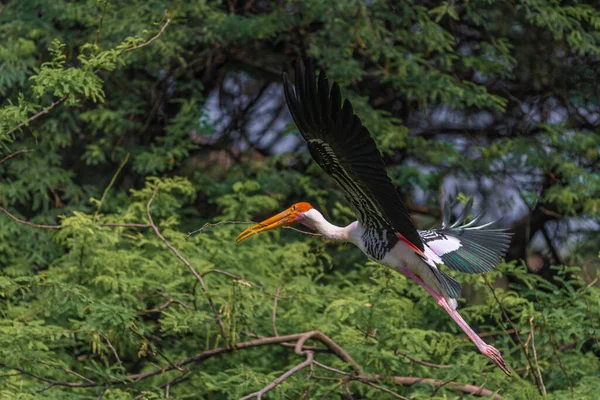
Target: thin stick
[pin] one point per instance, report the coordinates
(535, 356)
(386, 390)
(29, 223)
(284, 376)
(229, 274)
(11, 155)
(113, 350)
(518, 336)
(64, 98)
(110, 184)
(167, 22)
(274, 316)
(39, 114)
(399, 380)
(211, 225)
(68, 371)
(592, 322)
(425, 363)
(187, 264)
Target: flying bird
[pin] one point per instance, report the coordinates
(384, 231)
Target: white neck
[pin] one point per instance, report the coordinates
(315, 220)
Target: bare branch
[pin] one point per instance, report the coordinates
(326, 340)
(11, 155)
(64, 98)
(187, 264)
(274, 317)
(113, 350)
(29, 223)
(152, 39)
(39, 114)
(211, 225)
(425, 363)
(229, 274)
(535, 356)
(284, 376)
(516, 330)
(409, 381)
(300, 337)
(68, 371)
(41, 226)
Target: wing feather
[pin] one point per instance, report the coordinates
(343, 147)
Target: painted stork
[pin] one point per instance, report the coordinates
(343, 147)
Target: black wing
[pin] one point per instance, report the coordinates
(343, 147)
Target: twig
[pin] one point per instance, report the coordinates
(274, 316)
(425, 363)
(187, 264)
(535, 356)
(68, 371)
(284, 376)
(229, 274)
(165, 305)
(29, 223)
(110, 184)
(555, 347)
(152, 39)
(386, 390)
(211, 225)
(101, 394)
(113, 350)
(39, 114)
(326, 340)
(43, 389)
(11, 155)
(62, 99)
(128, 225)
(409, 381)
(517, 335)
(40, 226)
(592, 322)
(406, 381)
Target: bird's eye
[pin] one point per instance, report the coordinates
(294, 207)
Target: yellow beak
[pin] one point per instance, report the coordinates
(284, 218)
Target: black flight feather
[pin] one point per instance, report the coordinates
(343, 147)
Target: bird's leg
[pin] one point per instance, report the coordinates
(489, 351)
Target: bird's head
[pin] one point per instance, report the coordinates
(291, 216)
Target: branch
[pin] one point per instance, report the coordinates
(535, 356)
(274, 316)
(229, 274)
(62, 99)
(113, 350)
(287, 374)
(40, 226)
(300, 349)
(210, 225)
(20, 221)
(11, 155)
(36, 116)
(187, 264)
(425, 363)
(326, 340)
(152, 39)
(517, 335)
(409, 381)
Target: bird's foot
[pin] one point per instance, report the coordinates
(493, 354)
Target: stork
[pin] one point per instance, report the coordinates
(384, 231)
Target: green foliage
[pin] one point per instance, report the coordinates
(115, 100)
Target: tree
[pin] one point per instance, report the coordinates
(125, 126)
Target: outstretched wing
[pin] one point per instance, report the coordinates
(343, 147)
